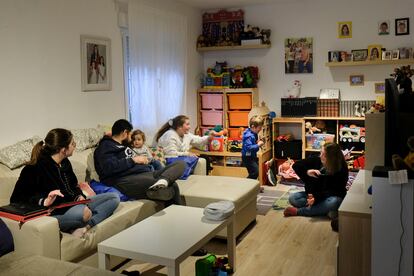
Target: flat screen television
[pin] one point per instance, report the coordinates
(399, 121)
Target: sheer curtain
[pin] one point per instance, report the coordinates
(157, 59)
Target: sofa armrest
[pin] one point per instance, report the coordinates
(40, 236)
(201, 167)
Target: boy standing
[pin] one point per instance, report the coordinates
(251, 146)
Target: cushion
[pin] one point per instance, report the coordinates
(100, 188)
(6, 241)
(16, 155)
(158, 154)
(86, 138)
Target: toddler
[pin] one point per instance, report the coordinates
(251, 146)
(140, 149)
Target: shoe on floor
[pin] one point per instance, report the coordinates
(131, 273)
(200, 252)
(290, 211)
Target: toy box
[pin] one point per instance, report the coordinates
(216, 144)
(316, 141)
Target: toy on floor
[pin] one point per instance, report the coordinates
(286, 171)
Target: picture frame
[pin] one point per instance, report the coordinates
(395, 54)
(379, 87)
(384, 27)
(356, 80)
(405, 52)
(359, 55)
(374, 52)
(386, 55)
(95, 63)
(297, 49)
(345, 29)
(402, 26)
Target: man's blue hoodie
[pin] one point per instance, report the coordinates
(114, 160)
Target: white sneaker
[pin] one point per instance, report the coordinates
(160, 184)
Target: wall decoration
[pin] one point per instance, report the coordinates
(384, 27)
(405, 52)
(386, 55)
(356, 80)
(95, 63)
(402, 26)
(359, 55)
(395, 54)
(379, 87)
(374, 52)
(345, 29)
(299, 55)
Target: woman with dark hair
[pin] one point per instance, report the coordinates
(175, 137)
(325, 180)
(48, 179)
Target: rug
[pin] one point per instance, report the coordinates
(266, 199)
(283, 201)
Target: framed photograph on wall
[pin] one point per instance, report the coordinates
(405, 52)
(299, 55)
(379, 87)
(95, 63)
(384, 27)
(402, 26)
(359, 55)
(395, 54)
(345, 29)
(386, 55)
(356, 80)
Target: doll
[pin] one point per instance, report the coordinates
(286, 171)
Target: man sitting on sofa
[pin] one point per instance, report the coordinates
(132, 175)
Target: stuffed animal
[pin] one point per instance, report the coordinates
(294, 91)
(286, 171)
(408, 162)
(357, 112)
(311, 129)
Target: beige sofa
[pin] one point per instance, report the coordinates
(42, 236)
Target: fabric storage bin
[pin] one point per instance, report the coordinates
(211, 101)
(238, 118)
(211, 117)
(240, 101)
(291, 149)
(316, 141)
(235, 133)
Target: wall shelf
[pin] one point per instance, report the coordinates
(370, 62)
(238, 47)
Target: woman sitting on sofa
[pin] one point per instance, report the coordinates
(48, 179)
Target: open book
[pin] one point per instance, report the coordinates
(22, 212)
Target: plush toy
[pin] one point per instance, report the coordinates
(311, 129)
(286, 171)
(284, 137)
(294, 91)
(408, 162)
(321, 125)
(357, 112)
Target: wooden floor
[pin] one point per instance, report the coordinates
(274, 246)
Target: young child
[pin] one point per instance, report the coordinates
(140, 149)
(251, 146)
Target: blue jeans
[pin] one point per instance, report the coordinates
(101, 206)
(322, 208)
(252, 166)
(156, 165)
(302, 66)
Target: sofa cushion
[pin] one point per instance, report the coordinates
(158, 154)
(200, 190)
(86, 138)
(16, 155)
(127, 214)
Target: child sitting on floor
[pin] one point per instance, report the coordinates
(140, 149)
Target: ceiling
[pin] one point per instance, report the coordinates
(218, 4)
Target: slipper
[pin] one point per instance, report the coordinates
(200, 252)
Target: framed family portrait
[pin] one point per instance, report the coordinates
(356, 80)
(405, 52)
(299, 55)
(359, 55)
(402, 26)
(374, 52)
(345, 29)
(384, 27)
(95, 63)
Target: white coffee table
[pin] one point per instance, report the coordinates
(167, 238)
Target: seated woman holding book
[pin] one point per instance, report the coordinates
(48, 180)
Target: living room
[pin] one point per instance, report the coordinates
(41, 73)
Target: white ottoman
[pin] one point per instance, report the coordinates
(200, 190)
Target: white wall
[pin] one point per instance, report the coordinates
(40, 66)
(318, 19)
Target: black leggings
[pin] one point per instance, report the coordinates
(136, 185)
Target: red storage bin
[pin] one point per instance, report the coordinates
(211, 117)
(240, 101)
(238, 118)
(211, 101)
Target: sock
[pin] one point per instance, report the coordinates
(290, 211)
(161, 183)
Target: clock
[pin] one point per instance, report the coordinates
(329, 93)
